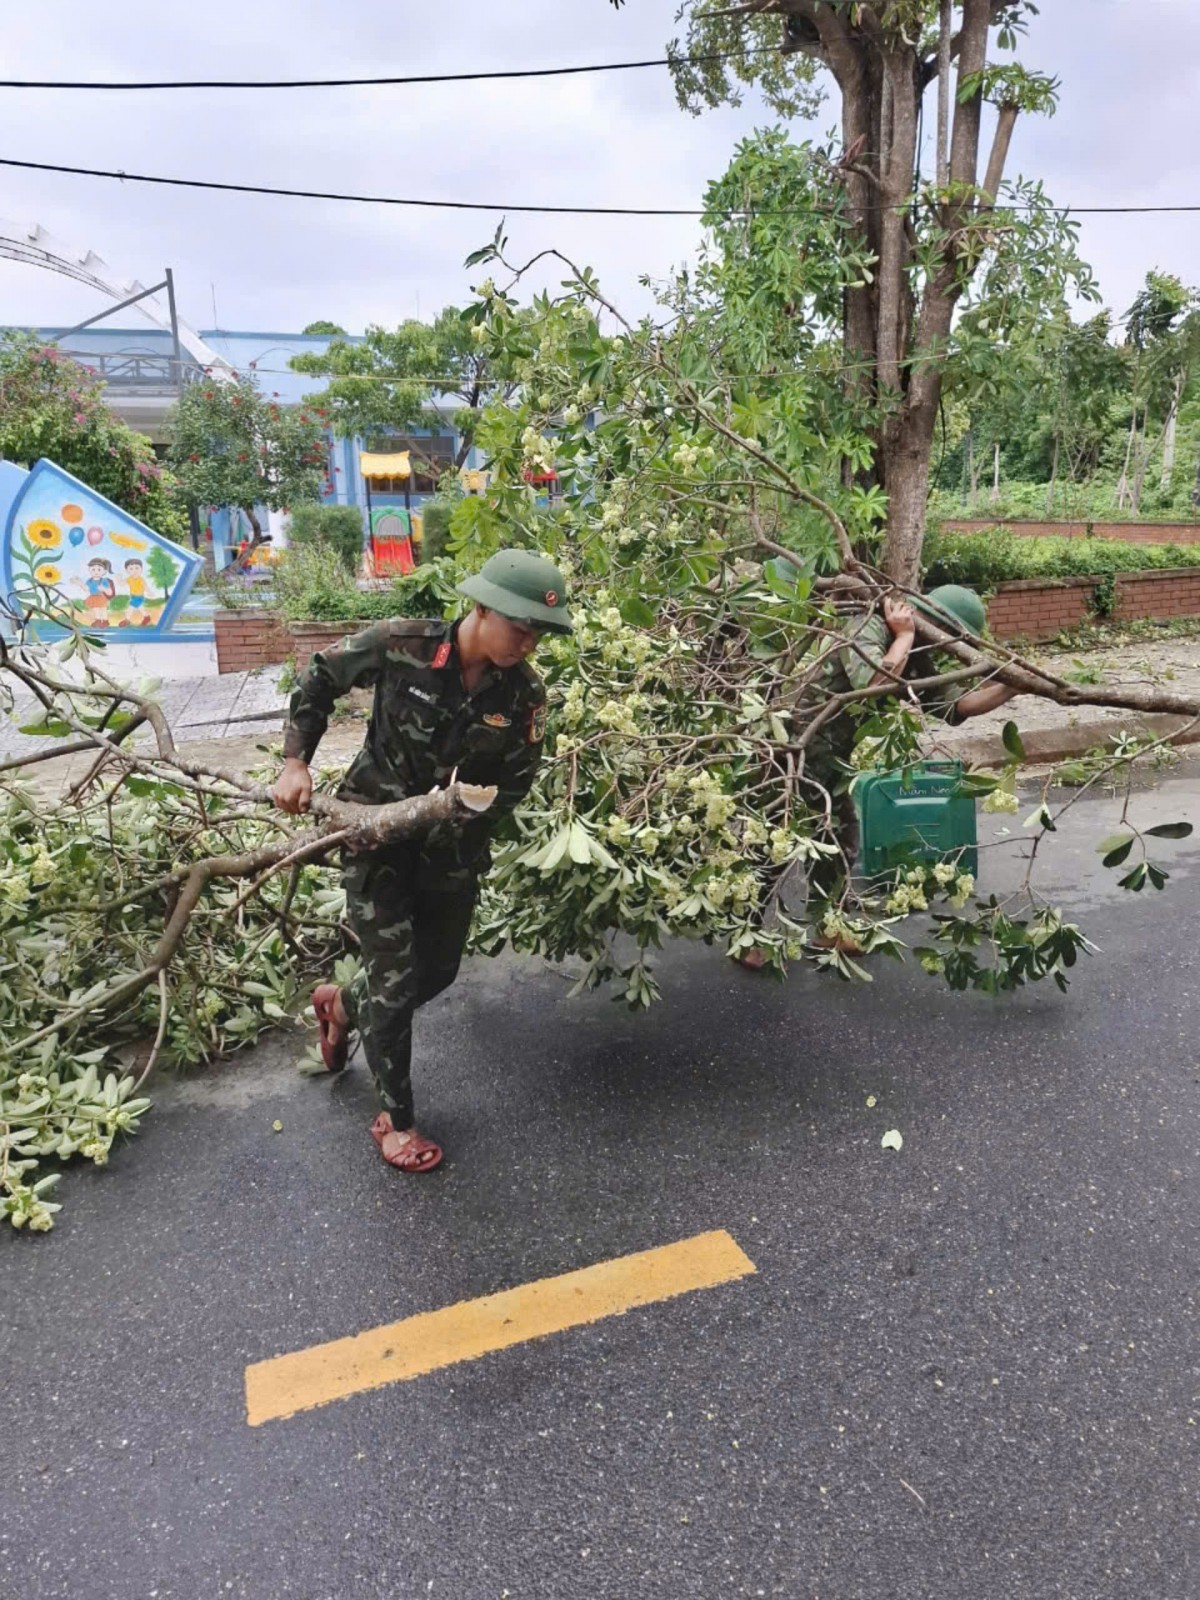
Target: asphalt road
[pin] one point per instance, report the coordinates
(970, 1368)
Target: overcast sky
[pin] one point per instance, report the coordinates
(1124, 133)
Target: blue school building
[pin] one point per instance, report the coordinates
(137, 366)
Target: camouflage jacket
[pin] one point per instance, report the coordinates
(424, 724)
(868, 639)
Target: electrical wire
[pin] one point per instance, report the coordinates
(544, 210)
(355, 83)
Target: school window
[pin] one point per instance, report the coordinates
(431, 458)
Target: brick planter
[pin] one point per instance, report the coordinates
(1041, 608)
(309, 637)
(247, 639)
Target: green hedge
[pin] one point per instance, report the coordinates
(993, 555)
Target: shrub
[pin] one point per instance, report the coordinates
(338, 527)
(435, 526)
(312, 585)
(994, 555)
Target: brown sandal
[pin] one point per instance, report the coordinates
(408, 1152)
(335, 1039)
(754, 959)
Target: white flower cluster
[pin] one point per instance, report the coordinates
(537, 450)
(911, 893)
(687, 457)
(1002, 800)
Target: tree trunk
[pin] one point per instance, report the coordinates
(1168, 460)
(907, 451)
(995, 472)
(1123, 480)
(1053, 478)
(239, 563)
(1143, 463)
(972, 472)
(945, 31)
(907, 444)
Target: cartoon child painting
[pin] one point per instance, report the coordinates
(135, 583)
(99, 588)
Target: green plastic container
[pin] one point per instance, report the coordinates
(920, 814)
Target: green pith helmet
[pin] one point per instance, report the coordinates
(522, 587)
(957, 603)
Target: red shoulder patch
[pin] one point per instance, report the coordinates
(442, 654)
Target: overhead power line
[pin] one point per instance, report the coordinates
(505, 207)
(356, 83)
(360, 199)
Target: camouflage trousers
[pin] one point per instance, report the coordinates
(410, 908)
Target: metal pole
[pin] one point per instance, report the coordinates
(174, 333)
(177, 368)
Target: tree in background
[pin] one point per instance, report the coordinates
(52, 406)
(233, 446)
(398, 379)
(332, 330)
(1161, 341)
(952, 267)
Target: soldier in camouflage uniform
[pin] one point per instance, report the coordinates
(448, 697)
(879, 649)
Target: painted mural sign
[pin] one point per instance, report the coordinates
(68, 549)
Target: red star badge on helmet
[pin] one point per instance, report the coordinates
(551, 597)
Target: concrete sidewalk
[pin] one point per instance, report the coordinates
(1052, 733)
(226, 721)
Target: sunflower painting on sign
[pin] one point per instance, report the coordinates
(67, 549)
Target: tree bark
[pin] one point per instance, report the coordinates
(945, 27)
(995, 471)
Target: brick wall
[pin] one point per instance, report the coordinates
(309, 637)
(249, 639)
(1041, 608)
(1130, 532)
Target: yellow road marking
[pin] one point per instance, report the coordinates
(432, 1339)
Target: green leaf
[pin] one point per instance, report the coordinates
(46, 729)
(1170, 830)
(579, 845)
(637, 613)
(1012, 741)
(1111, 843)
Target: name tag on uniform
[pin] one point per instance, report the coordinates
(495, 720)
(424, 694)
